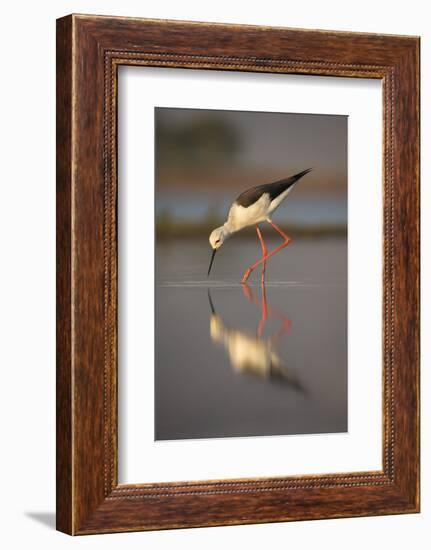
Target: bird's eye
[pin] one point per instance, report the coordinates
(217, 241)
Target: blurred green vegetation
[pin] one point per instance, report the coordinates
(203, 141)
(168, 228)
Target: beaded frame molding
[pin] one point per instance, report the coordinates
(89, 51)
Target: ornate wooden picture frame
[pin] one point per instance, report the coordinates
(89, 51)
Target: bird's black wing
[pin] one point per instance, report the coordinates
(252, 195)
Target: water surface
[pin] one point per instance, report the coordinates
(246, 361)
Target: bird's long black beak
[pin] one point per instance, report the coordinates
(212, 260)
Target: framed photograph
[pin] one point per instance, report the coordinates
(237, 274)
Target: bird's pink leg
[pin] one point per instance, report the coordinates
(264, 253)
(286, 239)
(282, 233)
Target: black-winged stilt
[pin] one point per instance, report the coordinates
(252, 207)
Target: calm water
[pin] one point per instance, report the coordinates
(239, 361)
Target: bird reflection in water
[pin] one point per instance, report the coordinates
(255, 354)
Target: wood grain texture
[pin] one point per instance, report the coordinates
(90, 49)
(64, 497)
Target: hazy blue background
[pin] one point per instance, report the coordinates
(216, 376)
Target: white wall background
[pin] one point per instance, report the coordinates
(27, 280)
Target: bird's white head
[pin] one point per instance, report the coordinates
(217, 237)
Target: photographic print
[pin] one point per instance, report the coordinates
(251, 273)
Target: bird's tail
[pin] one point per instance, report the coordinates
(280, 186)
(299, 175)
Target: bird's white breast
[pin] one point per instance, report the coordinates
(240, 217)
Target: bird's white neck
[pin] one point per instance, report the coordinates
(228, 229)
